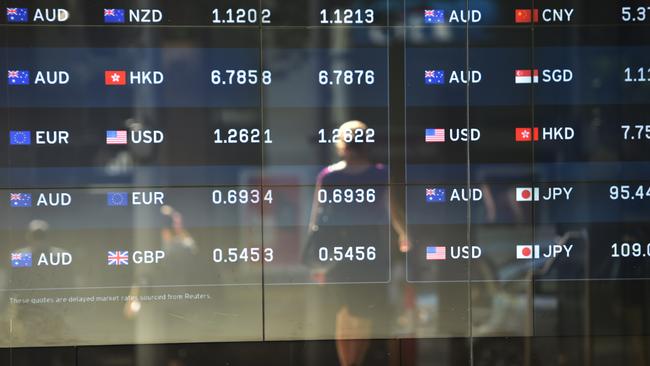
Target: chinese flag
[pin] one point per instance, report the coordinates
(526, 134)
(526, 15)
(113, 77)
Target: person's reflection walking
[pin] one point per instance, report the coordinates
(357, 306)
(180, 252)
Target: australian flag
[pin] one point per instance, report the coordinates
(20, 199)
(17, 15)
(19, 260)
(434, 77)
(18, 77)
(433, 16)
(113, 15)
(435, 195)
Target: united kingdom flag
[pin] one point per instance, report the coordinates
(118, 258)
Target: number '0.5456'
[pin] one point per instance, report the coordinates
(352, 253)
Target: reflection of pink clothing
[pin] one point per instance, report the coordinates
(374, 174)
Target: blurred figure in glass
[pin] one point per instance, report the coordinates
(358, 306)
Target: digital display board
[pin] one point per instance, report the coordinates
(295, 170)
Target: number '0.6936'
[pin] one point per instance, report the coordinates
(346, 195)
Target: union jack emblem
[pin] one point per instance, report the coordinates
(118, 258)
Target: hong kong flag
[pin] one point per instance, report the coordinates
(115, 77)
(526, 134)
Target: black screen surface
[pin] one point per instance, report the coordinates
(226, 171)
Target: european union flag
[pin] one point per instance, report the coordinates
(18, 77)
(434, 77)
(19, 260)
(435, 195)
(17, 15)
(20, 138)
(113, 15)
(117, 199)
(20, 199)
(434, 16)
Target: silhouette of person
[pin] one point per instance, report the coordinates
(338, 224)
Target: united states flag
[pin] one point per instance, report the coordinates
(434, 135)
(436, 253)
(116, 137)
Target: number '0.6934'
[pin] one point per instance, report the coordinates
(241, 196)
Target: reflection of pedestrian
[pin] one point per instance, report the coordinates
(179, 248)
(161, 319)
(334, 225)
(174, 235)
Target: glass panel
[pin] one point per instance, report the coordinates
(382, 182)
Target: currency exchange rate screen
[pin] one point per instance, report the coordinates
(246, 170)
